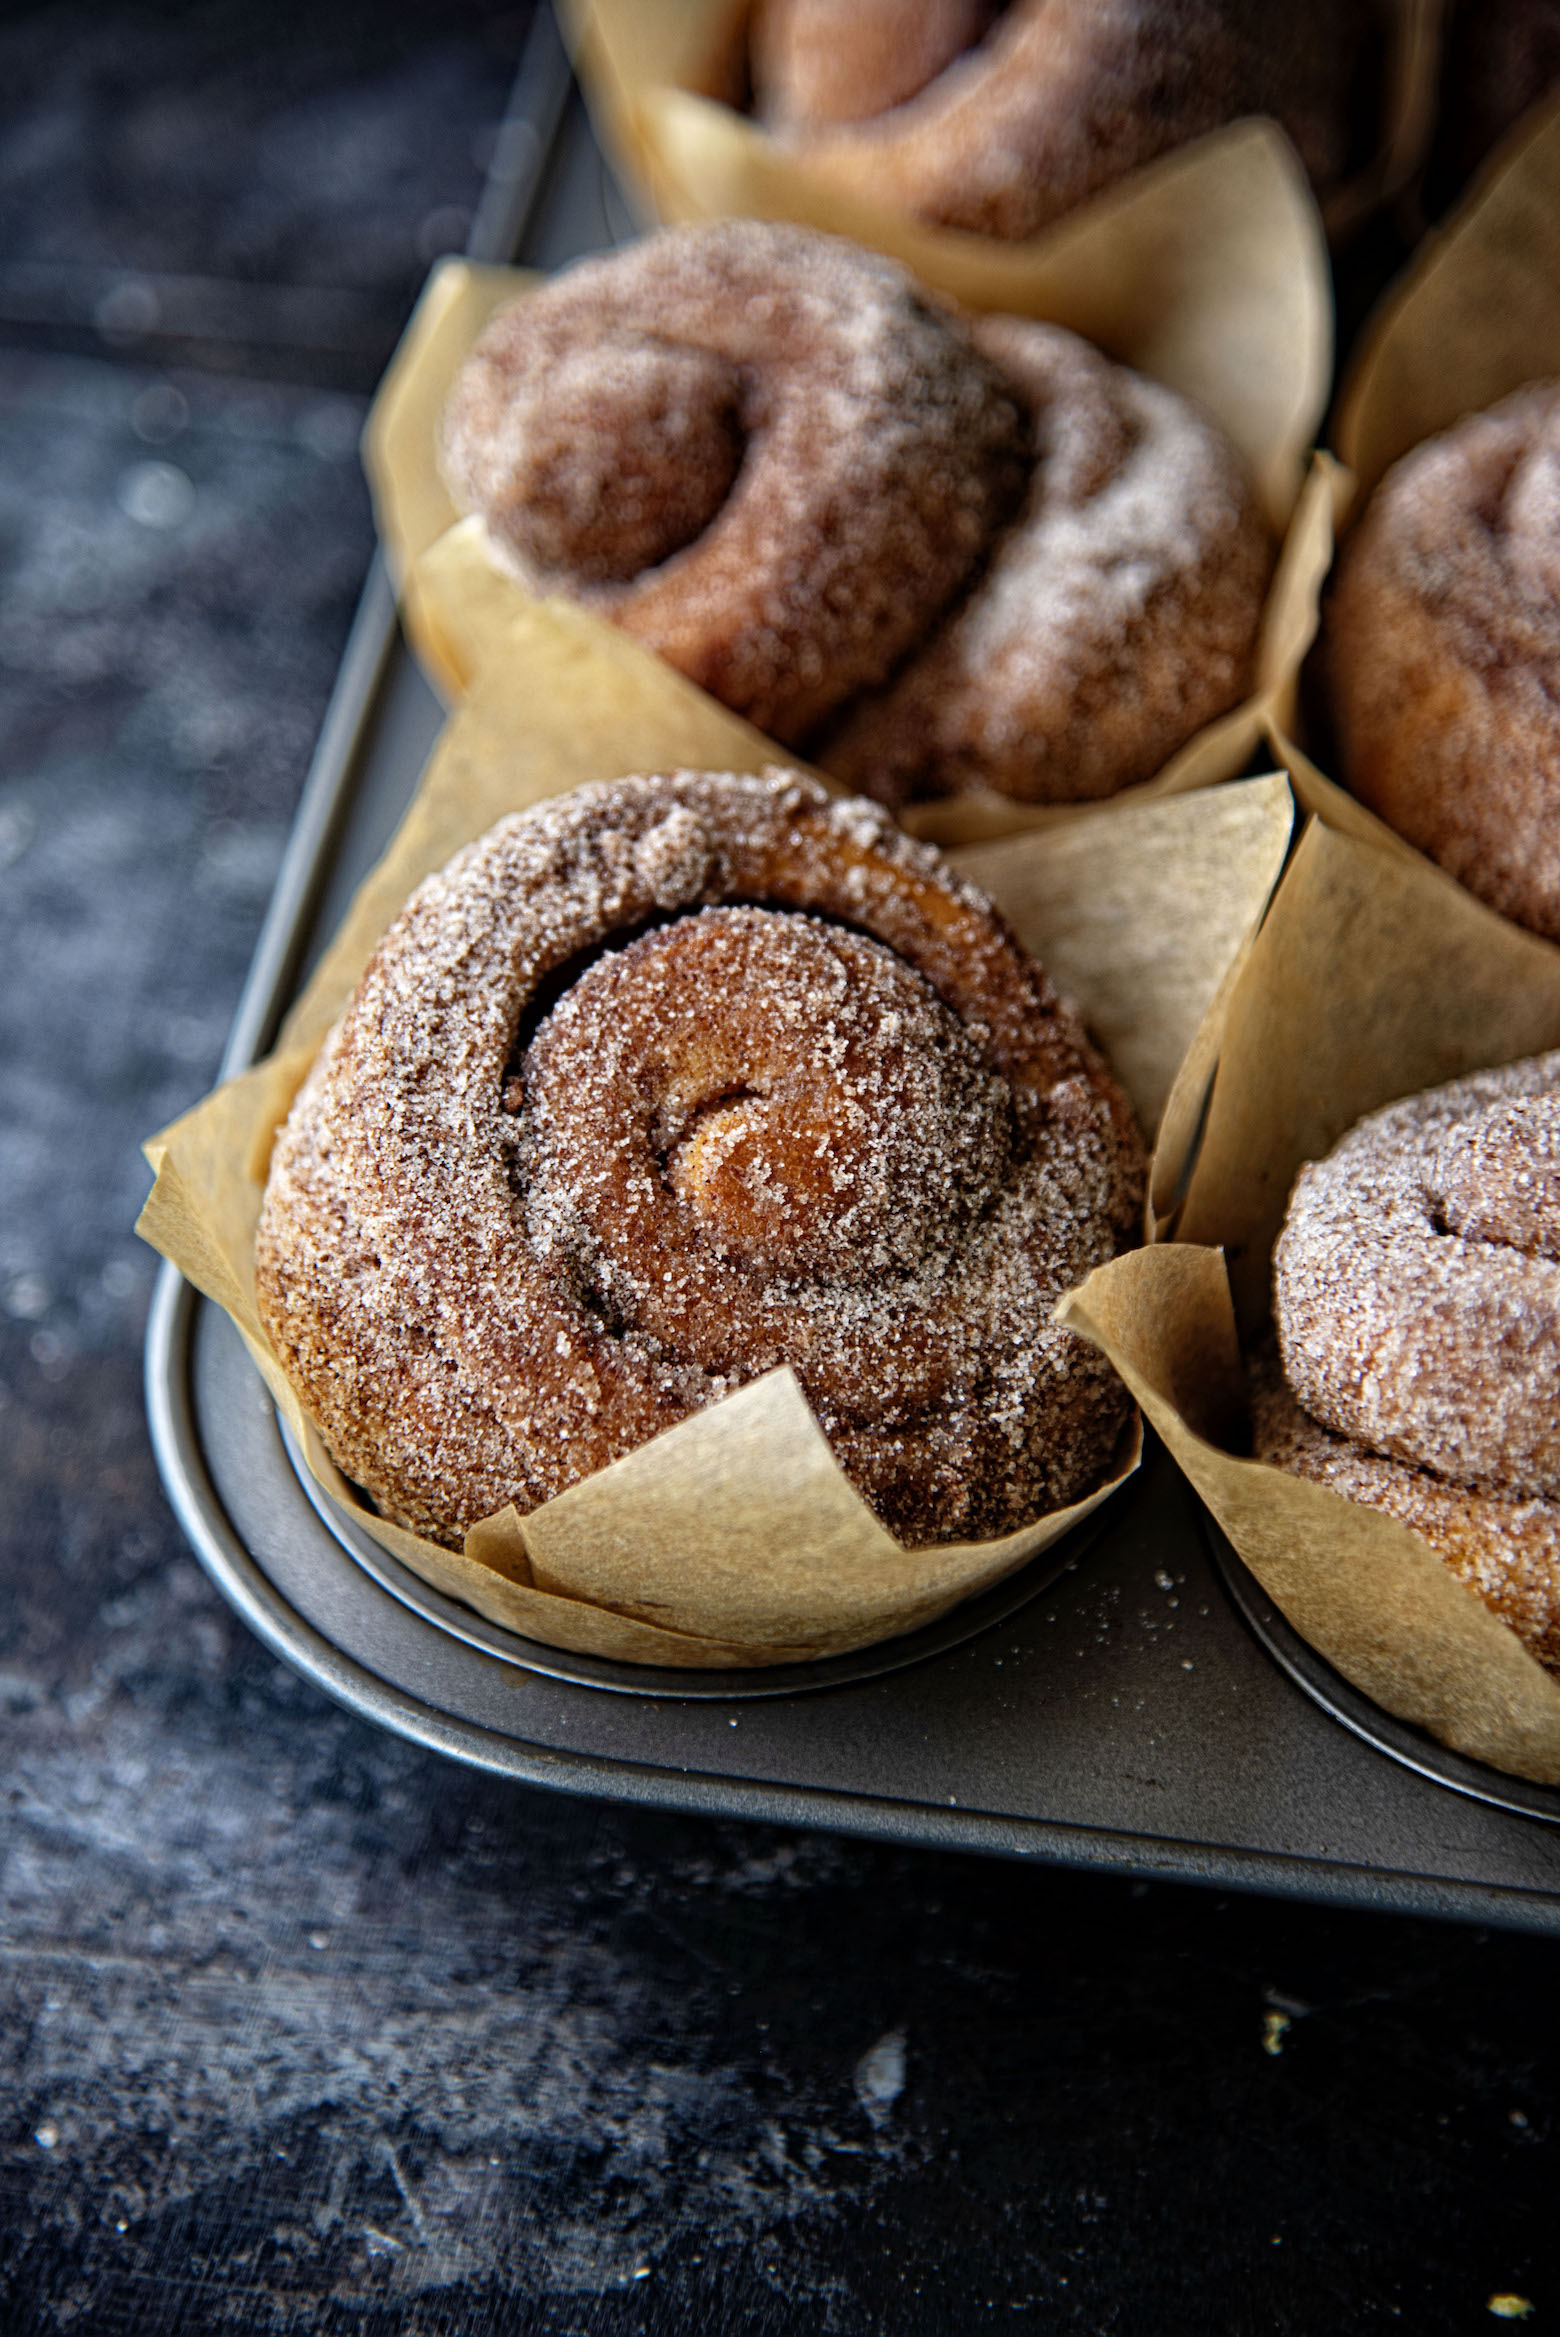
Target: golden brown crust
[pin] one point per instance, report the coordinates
(1060, 99)
(1116, 615)
(1443, 654)
(1417, 1311)
(801, 1100)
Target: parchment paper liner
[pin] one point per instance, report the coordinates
(733, 1539)
(656, 73)
(1373, 977)
(458, 605)
(1473, 318)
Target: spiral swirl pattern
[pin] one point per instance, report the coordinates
(760, 450)
(1417, 1306)
(672, 1082)
(949, 553)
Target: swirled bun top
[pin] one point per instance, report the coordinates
(760, 449)
(1115, 616)
(951, 553)
(1417, 1281)
(668, 1083)
(1443, 654)
(907, 103)
(1417, 1305)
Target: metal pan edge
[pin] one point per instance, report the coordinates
(253, 1597)
(1400, 1740)
(964, 1622)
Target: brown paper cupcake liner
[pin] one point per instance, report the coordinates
(734, 1539)
(1472, 317)
(1373, 977)
(664, 78)
(459, 604)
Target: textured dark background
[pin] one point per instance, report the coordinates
(306, 2031)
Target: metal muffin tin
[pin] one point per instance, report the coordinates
(1131, 1701)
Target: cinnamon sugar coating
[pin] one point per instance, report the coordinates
(667, 1083)
(1504, 1546)
(1417, 1310)
(1412, 1313)
(761, 450)
(1443, 654)
(765, 453)
(1060, 99)
(1116, 615)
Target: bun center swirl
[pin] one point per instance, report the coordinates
(761, 451)
(834, 1123)
(635, 445)
(800, 1100)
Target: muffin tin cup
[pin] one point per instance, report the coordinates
(734, 1538)
(1124, 1715)
(1374, 977)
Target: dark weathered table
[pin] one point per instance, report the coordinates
(305, 2029)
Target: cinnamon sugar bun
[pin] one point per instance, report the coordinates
(761, 451)
(1442, 655)
(942, 553)
(1001, 120)
(1417, 1308)
(666, 1084)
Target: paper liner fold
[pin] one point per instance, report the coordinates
(1363, 1589)
(1473, 317)
(1372, 977)
(734, 1538)
(1065, 897)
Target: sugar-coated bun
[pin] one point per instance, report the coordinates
(940, 552)
(1002, 127)
(668, 1083)
(1442, 654)
(1417, 1308)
